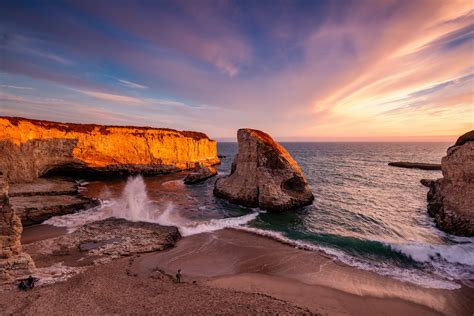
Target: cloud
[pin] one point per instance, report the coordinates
(132, 85)
(113, 97)
(15, 87)
(317, 68)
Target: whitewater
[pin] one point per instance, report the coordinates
(440, 266)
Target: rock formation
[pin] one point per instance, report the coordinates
(415, 165)
(109, 239)
(42, 199)
(13, 262)
(201, 174)
(32, 148)
(264, 175)
(451, 198)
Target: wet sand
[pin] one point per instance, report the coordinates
(227, 272)
(246, 262)
(40, 232)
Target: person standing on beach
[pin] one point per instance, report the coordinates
(178, 276)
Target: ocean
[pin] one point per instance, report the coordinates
(365, 214)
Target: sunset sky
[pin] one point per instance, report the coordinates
(300, 70)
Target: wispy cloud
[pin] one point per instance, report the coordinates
(112, 97)
(385, 68)
(132, 85)
(7, 86)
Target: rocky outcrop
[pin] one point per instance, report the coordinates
(201, 174)
(13, 262)
(38, 201)
(264, 175)
(451, 199)
(32, 148)
(415, 165)
(109, 239)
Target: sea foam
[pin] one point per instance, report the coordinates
(447, 263)
(135, 205)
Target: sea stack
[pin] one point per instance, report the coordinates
(451, 198)
(13, 262)
(31, 148)
(264, 175)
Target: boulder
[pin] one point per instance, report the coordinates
(13, 262)
(201, 174)
(264, 175)
(451, 198)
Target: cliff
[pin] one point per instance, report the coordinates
(264, 175)
(13, 262)
(32, 148)
(451, 198)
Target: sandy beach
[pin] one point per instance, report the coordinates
(228, 272)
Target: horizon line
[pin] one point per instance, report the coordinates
(388, 139)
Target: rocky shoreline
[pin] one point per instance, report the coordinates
(42, 199)
(263, 175)
(451, 198)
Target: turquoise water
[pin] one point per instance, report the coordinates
(369, 214)
(365, 213)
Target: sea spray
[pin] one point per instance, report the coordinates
(134, 204)
(357, 196)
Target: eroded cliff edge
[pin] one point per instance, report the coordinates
(451, 198)
(32, 148)
(13, 261)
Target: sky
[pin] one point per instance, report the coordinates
(299, 70)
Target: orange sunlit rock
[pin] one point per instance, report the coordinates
(31, 148)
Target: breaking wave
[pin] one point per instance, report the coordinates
(135, 205)
(442, 266)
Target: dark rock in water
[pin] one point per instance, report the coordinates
(200, 175)
(38, 201)
(427, 182)
(415, 165)
(451, 198)
(264, 175)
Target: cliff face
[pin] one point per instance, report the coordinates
(13, 261)
(264, 175)
(31, 148)
(451, 199)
